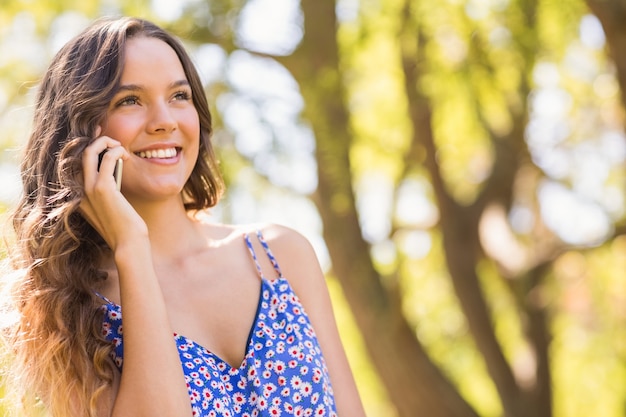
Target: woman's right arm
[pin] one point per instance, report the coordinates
(153, 381)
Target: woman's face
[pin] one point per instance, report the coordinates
(153, 116)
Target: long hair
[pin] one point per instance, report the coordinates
(58, 353)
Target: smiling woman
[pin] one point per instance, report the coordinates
(153, 118)
(208, 325)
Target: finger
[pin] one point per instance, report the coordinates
(97, 146)
(90, 156)
(110, 157)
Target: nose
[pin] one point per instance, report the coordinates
(162, 119)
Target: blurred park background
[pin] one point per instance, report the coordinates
(458, 165)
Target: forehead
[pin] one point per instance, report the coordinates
(146, 57)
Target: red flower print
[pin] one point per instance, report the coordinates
(218, 405)
(279, 367)
(268, 389)
(306, 389)
(274, 411)
(253, 398)
(296, 382)
(195, 397)
(262, 403)
(207, 394)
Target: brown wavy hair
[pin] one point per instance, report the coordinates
(58, 353)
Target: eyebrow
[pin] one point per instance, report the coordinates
(137, 87)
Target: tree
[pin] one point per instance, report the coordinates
(414, 382)
(422, 389)
(611, 14)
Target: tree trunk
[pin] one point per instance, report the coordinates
(415, 385)
(612, 16)
(459, 227)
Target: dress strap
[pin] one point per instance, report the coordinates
(103, 298)
(268, 252)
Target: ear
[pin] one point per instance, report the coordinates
(98, 131)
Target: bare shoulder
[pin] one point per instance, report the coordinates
(285, 239)
(292, 251)
(298, 263)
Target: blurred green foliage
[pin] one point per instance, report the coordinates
(586, 291)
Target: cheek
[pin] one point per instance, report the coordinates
(122, 129)
(191, 121)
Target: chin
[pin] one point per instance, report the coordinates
(154, 192)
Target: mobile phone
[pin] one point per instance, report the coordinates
(117, 173)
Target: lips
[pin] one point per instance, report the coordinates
(163, 153)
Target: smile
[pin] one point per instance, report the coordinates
(157, 153)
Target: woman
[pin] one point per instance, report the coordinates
(211, 326)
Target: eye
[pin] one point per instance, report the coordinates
(182, 95)
(127, 101)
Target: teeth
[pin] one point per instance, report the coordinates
(158, 153)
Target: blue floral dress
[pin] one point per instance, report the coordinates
(282, 374)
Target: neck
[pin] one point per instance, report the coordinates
(172, 231)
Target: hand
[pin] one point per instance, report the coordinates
(103, 206)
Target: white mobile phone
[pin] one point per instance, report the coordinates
(117, 173)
